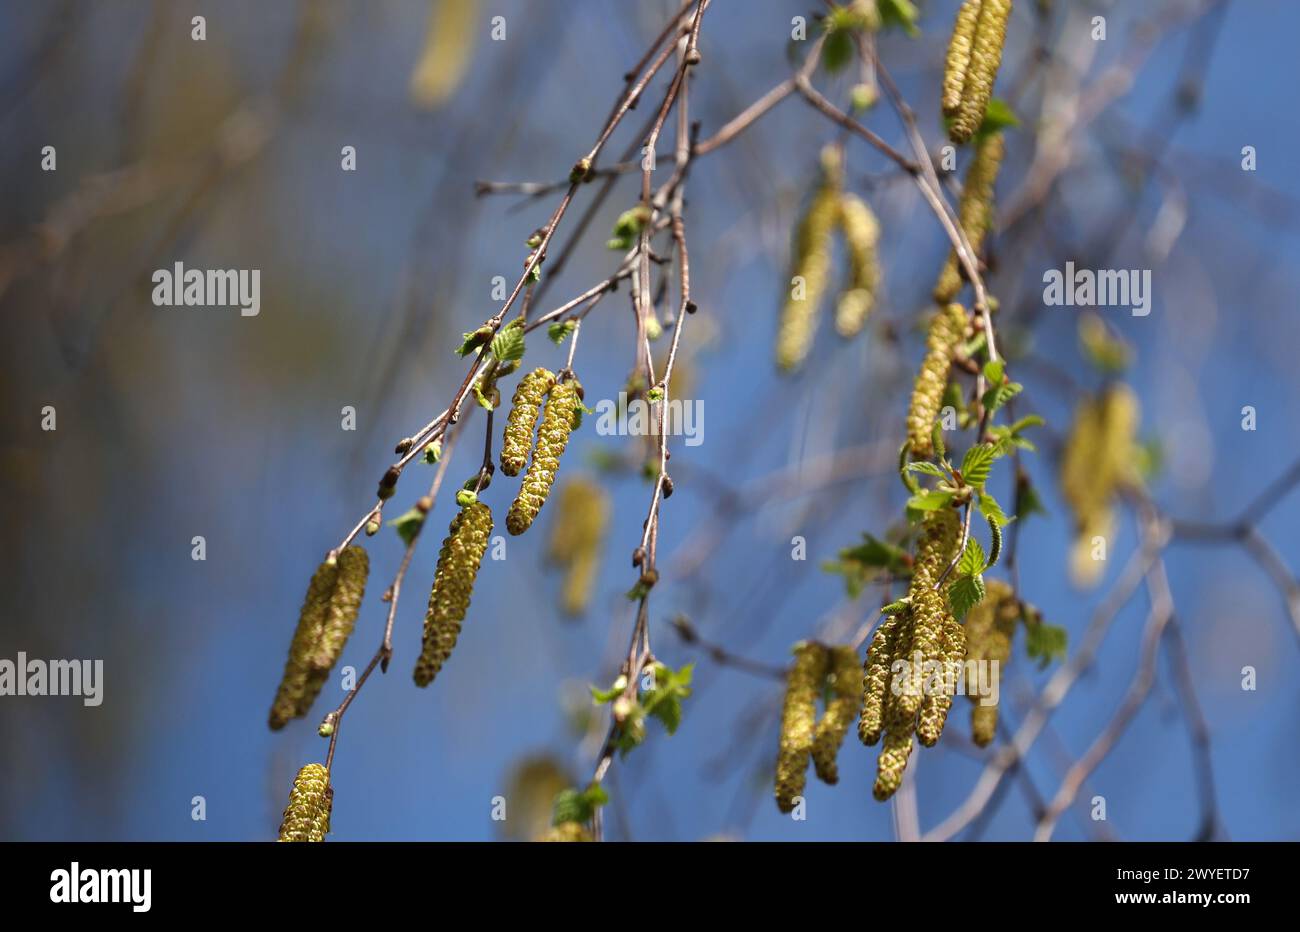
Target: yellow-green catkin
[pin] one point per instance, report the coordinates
(811, 266)
(558, 419)
(875, 679)
(990, 626)
(861, 235)
(576, 537)
(923, 634)
(947, 329)
(517, 440)
(567, 831)
(798, 721)
(935, 705)
(453, 585)
(971, 66)
(841, 709)
(307, 817)
(325, 622)
(1097, 462)
(975, 209)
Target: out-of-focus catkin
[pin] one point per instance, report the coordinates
(558, 419)
(798, 721)
(1098, 461)
(946, 331)
(453, 585)
(861, 236)
(811, 266)
(328, 615)
(841, 709)
(971, 66)
(307, 817)
(579, 528)
(990, 626)
(976, 211)
(517, 440)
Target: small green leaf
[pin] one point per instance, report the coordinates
(474, 340)
(574, 805)
(837, 51)
(606, 696)
(900, 13)
(993, 372)
(408, 525)
(923, 466)
(628, 227)
(991, 510)
(861, 564)
(999, 395)
(972, 558)
(1045, 643)
(508, 344)
(997, 116)
(560, 330)
(664, 701)
(927, 500)
(896, 608)
(964, 594)
(978, 463)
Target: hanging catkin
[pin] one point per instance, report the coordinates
(517, 440)
(861, 235)
(990, 626)
(798, 720)
(307, 817)
(810, 267)
(579, 528)
(935, 705)
(971, 66)
(841, 709)
(562, 404)
(875, 681)
(946, 331)
(975, 209)
(328, 615)
(453, 584)
(1096, 463)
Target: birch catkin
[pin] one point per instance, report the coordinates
(567, 831)
(861, 235)
(557, 423)
(971, 66)
(990, 626)
(517, 440)
(798, 721)
(975, 209)
(328, 615)
(576, 538)
(307, 817)
(875, 680)
(453, 585)
(841, 709)
(810, 268)
(946, 332)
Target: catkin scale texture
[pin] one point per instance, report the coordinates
(875, 678)
(891, 763)
(517, 439)
(975, 209)
(798, 721)
(974, 56)
(552, 437)
(841, 709)
(946, 331)
(861, 235)
(328, 614)
(307, 817)
(453, 585)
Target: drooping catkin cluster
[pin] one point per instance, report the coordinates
(830, 208)
(947, 328)
(576, 538)
(811, 266)
(567, 831)
(1098, 461)
(816, 670)
(328, 615)
(971, 66)
(841, 708)
(517, 440)
(453, 585)
(975, 209)
(990, 626)
(914, 699)
(558, 418)
(861, 236)
(307, 817)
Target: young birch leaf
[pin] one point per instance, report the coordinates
(978, 463)
(928, 468)
(965, 594)
(972, 558)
